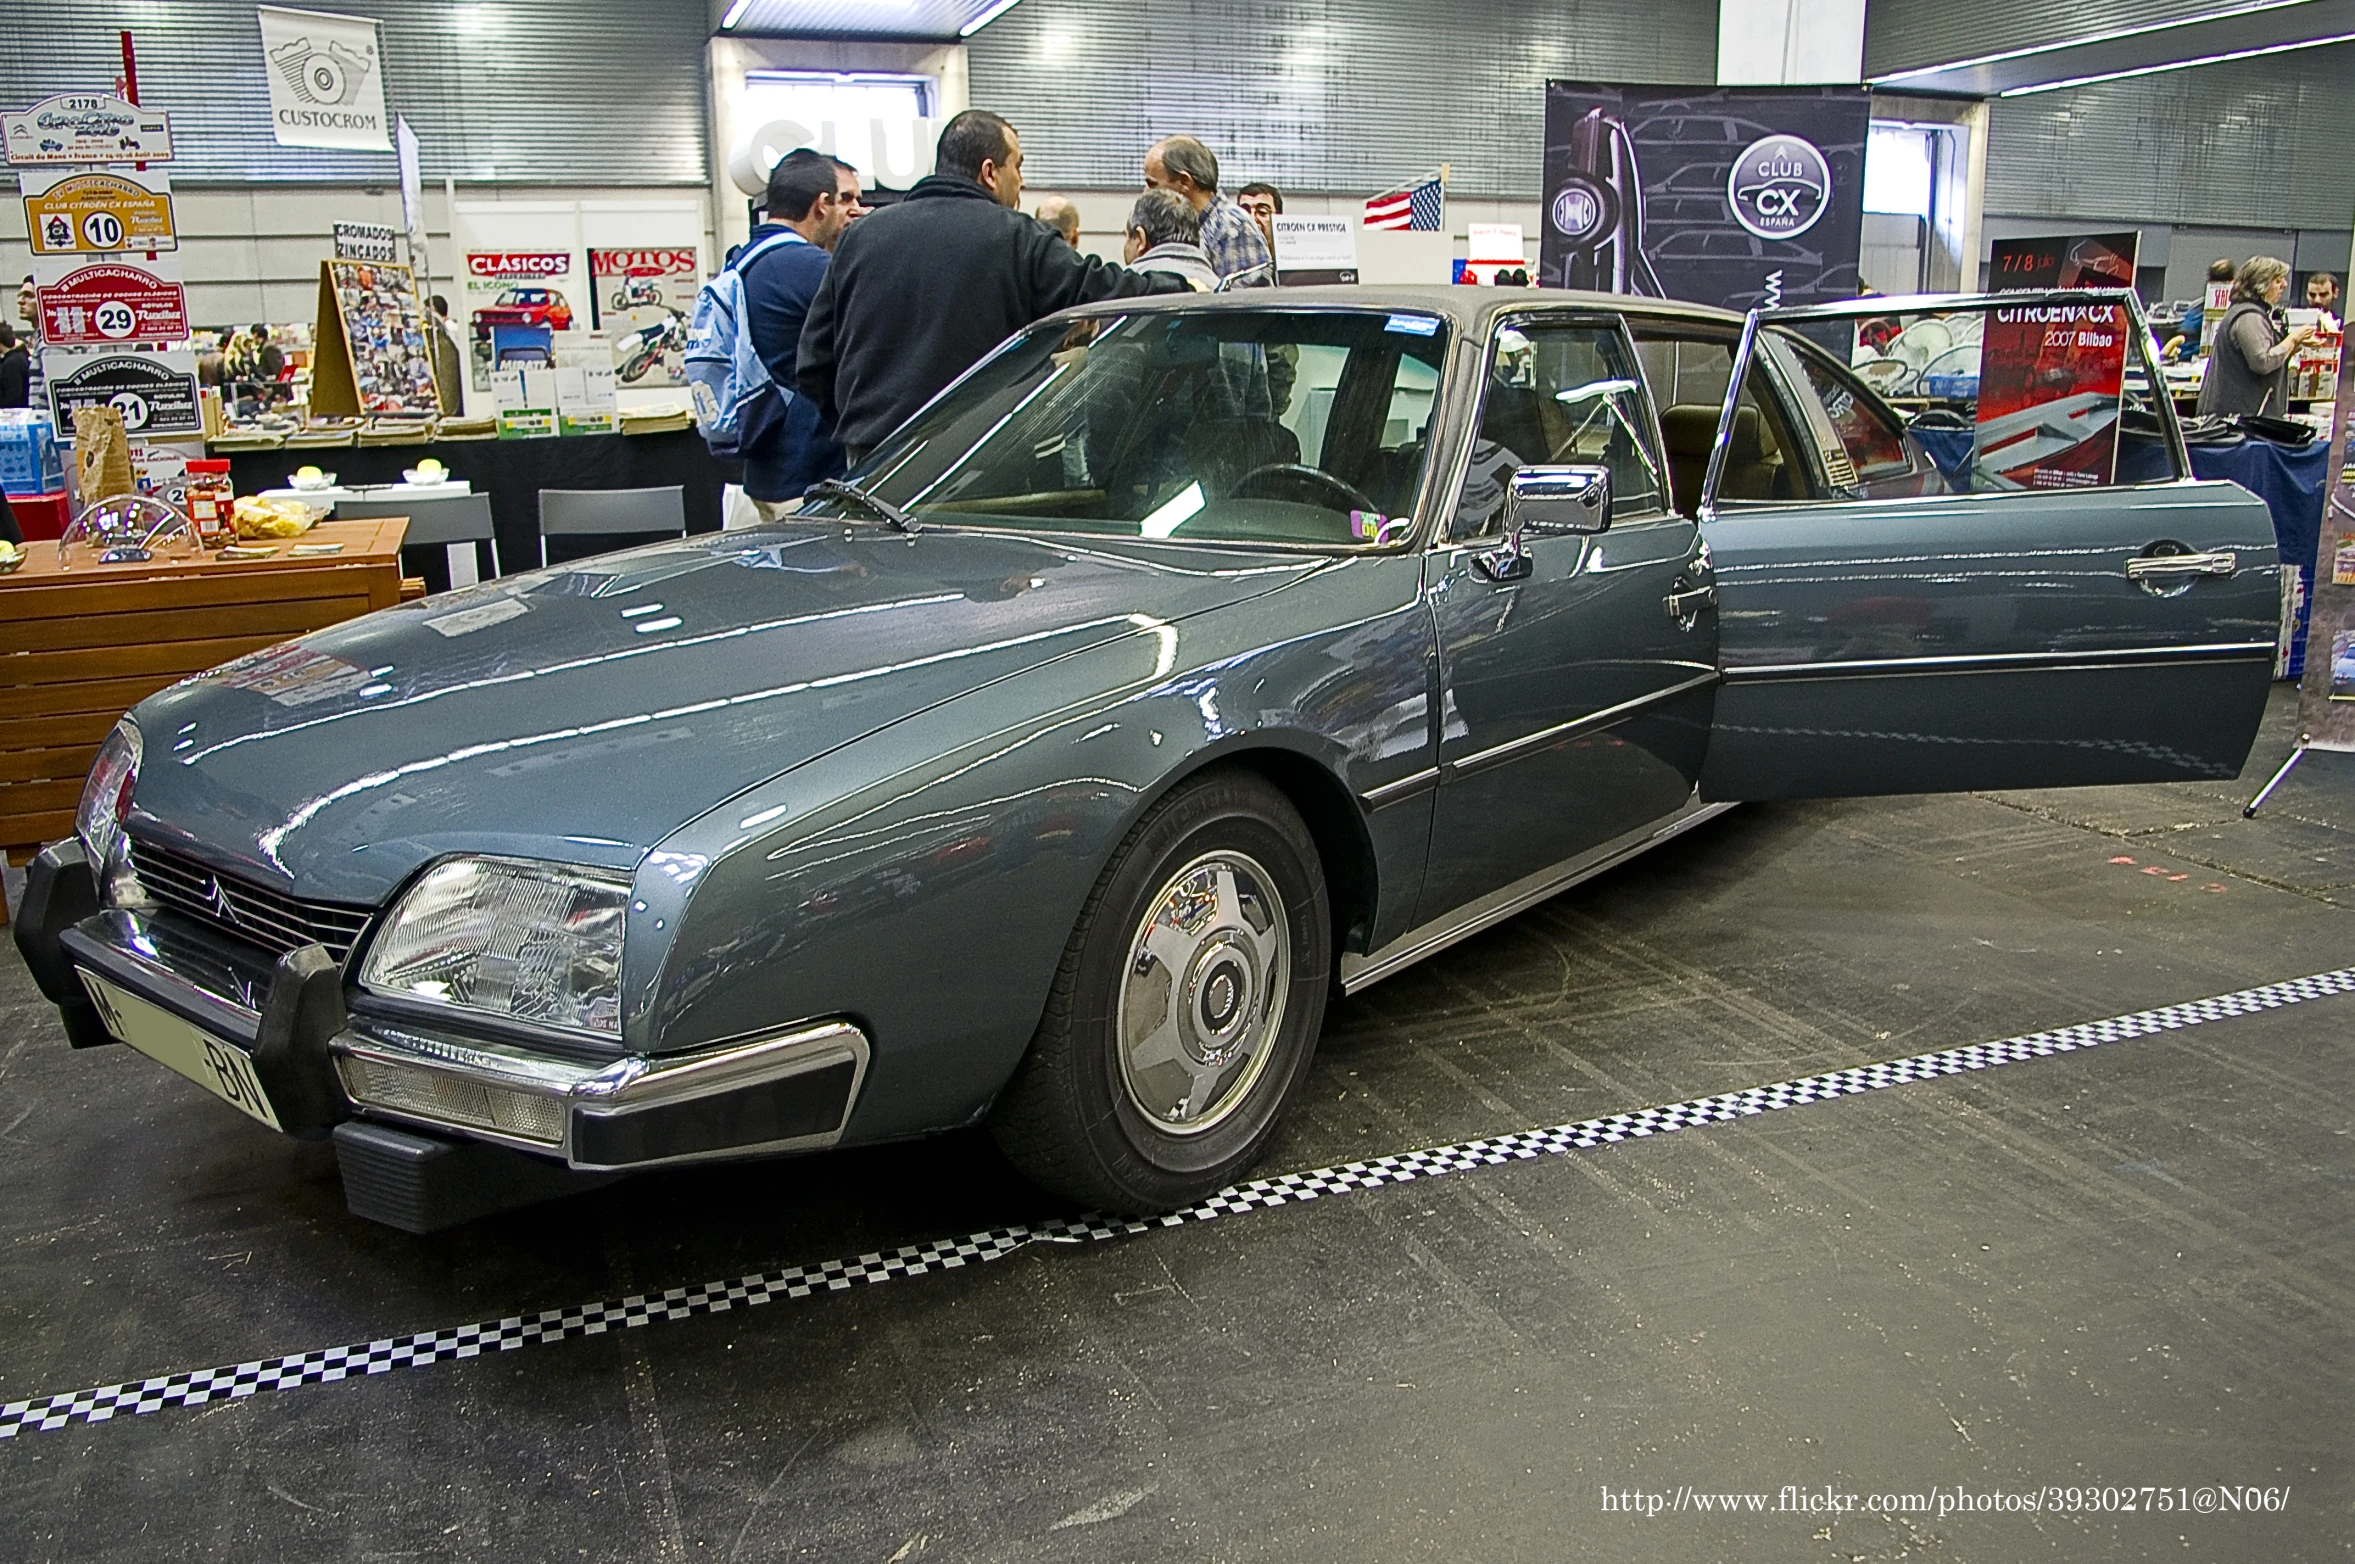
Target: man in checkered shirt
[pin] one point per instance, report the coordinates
(1237, 249)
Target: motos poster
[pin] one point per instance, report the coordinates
(1744, 197)
(642, 300)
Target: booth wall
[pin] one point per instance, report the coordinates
(605, 92)
(253, 254)
(2257, 143)
(1317, 94)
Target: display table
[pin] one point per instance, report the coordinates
(80, 646)
(513, 472)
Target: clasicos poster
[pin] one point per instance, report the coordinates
(1743, 197)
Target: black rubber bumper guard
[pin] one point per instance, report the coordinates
(406, 1178)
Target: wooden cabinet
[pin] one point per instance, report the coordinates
(80, 647)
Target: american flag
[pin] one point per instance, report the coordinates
(1420, 206)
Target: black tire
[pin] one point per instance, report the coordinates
(1070, 1119)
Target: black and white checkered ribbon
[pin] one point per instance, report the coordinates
(202, 1386)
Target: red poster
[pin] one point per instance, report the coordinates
(99, 306)
(2050, 378)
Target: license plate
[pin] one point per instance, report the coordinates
(220, 1068)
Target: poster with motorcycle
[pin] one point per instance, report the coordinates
(1736, 196)
(641, 300)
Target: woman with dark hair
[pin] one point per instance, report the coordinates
(2249, 368)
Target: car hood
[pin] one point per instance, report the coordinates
(587, 712)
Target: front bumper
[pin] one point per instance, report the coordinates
(319, 1065)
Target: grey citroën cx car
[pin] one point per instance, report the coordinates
(1185, 662)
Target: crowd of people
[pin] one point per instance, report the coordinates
(861, 317)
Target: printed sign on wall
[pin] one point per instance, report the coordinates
(91, 214)
(326, 77)
(2064, 261)
(1316, 249)
(155, 392)
(98, 303)
(516, 300)
(642, 299)
(1738, 196)
(82, 127)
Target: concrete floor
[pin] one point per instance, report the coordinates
(2132, 1266)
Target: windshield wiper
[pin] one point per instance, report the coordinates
(836, 488)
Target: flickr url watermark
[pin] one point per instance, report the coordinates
(2109, 1499)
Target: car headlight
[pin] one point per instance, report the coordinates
(525, 941)
(106, 800)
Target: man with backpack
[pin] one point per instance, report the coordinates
(741, 354)
(921, 290)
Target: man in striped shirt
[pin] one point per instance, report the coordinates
(1233, 241)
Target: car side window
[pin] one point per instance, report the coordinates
(1560, 395)
(1871, 435)
(1688, 373)
(2050, 394)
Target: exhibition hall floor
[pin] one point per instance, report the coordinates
(1900, 1305)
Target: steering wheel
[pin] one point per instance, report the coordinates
(1271, 481)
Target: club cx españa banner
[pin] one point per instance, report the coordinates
(1736, 196)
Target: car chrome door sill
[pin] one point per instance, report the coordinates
(1359, 972)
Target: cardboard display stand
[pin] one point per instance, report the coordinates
(370, 355)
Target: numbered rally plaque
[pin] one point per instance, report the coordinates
(80, 127)
(109, 302)
(89, 214)
(155, 392)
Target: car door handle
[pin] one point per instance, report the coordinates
(2167, 567)
(1685, 602)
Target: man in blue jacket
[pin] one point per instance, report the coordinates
(921, 290)
(786, 445)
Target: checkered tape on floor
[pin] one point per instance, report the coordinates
(230, 1382)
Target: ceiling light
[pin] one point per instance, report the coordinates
(2175, 65)
(2079, 42)
(735, 14)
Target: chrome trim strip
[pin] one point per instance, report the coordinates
(1404, 787)
(1609, 716)
(1998, 662)
(1360, 972)
(117, 944)
(617, 1088)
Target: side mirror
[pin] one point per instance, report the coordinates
(1546, 502)
(1552, 501)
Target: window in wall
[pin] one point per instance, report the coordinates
(868, 119)
(1900, 169)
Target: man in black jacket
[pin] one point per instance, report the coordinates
(919, 291)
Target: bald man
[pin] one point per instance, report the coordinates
(1235, 245)
(1058, 213)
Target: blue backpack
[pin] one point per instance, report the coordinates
(725, 376)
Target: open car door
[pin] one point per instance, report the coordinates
(2013, 584)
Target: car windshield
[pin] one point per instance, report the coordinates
(1289, 427)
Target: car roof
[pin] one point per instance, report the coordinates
(1470, 309)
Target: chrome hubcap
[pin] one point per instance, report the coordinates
(1203, 994)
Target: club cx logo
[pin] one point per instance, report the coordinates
(326, 76)
(1779, 187)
